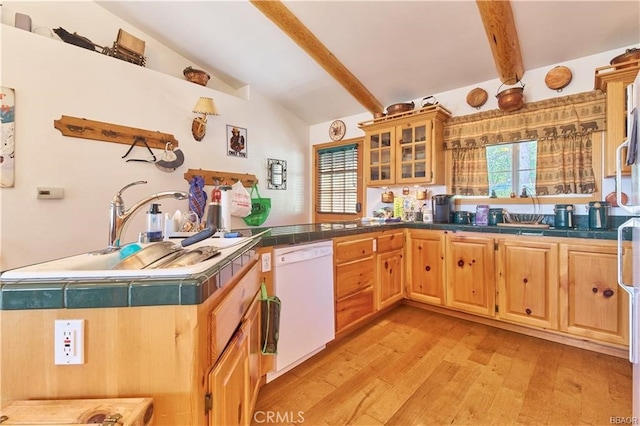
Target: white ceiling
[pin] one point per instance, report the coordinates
(399, 50)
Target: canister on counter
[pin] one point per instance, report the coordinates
(496, 216)
(563, 216)
(462, 217)
(598, 215)
(482, 215)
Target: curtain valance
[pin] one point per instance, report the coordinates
(550, 118)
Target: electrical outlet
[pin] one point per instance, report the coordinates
(266, 262)
(68, 342)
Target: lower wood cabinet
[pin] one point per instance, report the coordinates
(254, 340)
(562, 285)
(229, 384)
(592, 304)
(354, 274)
(425, 277)
(390, 268)
(470, 282)
(235, 378)
(527, 276)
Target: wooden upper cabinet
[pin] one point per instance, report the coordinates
(592, 304)
(470, 274)
(405, 148)
(379, 157)
(414, 152)
(614, 83)
(528, 282)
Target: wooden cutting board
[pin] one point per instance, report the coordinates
(558, 78)
(477, 97)
(64, 412)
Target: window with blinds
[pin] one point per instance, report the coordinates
(337, 179)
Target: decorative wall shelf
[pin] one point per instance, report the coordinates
(223, 178)
(107, 132)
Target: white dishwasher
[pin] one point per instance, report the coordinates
(303, 280)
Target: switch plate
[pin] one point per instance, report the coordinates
(68, 342)
(266, 262)
(49, 193)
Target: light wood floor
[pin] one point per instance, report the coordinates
(414, 367)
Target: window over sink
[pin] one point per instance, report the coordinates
(512, 167)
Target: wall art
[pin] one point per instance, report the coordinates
(237, 142)
(7, 150)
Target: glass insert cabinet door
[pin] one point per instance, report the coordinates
(414, 151)
(380, 157)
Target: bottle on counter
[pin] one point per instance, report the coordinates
(154, 223)
(214, 210)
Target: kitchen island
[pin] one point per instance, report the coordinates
(157, 337)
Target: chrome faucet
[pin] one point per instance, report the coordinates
(119, 217)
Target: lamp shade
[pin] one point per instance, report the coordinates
(206, 106)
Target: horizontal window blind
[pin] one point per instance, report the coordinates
(337, 176)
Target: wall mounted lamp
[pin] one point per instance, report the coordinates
(204, 106)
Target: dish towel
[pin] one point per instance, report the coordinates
(197, 196)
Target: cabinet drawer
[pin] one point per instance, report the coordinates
(354, 276)
(390, 242)
(353, 308)
(224, 318)
(346, 251)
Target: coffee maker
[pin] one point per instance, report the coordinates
(443, 206)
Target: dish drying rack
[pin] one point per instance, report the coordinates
(532, 220)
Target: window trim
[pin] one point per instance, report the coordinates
(335, 217)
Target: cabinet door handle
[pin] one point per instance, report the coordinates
(607, 293)
(461, 263)
(427, 268)
(528, 311)
(386, 265)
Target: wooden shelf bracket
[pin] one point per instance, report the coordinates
(107, 132)
(223, 178)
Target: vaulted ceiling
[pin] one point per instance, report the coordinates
(386, 51)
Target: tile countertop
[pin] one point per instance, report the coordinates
(192, 290)
(304, 233)
(115, 292)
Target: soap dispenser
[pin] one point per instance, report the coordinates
(154, 223)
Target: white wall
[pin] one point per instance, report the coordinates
(583, 71)
(52, 78)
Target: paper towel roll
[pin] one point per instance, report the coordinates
(225, 207)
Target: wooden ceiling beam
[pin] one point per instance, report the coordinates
(278, 13)
(500, 27)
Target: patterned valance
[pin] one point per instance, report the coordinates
(563, 116)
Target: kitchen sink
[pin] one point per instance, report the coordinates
(88, 266)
